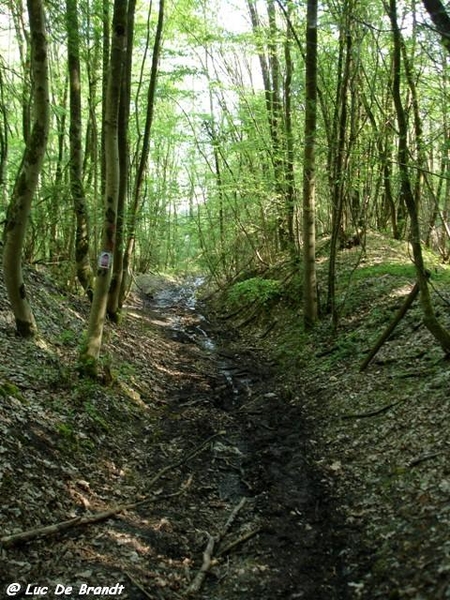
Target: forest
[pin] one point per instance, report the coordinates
(225, 274)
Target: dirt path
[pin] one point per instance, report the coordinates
(201, 427)
(265, 456)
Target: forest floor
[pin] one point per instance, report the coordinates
(226, 458)
(189, 438)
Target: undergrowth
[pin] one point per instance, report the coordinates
(255, 289)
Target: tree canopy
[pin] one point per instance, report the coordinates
(244, 134)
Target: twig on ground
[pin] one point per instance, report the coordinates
(39, 532)
(240, 540)
(198, 580)
(208, 553)
(372, 413)
(231, 519)
(420, 459)
(138, 585)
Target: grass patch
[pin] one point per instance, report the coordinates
(404, 270)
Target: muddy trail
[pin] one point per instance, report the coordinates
(286, 539)
(193, 474)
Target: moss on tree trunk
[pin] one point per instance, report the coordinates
(28, 175)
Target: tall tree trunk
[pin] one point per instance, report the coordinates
(440, 18)
(18, 11)
(113, 307)
(291, 200)
(309, 234)
(139, 181)
(270, 71)
(285, 229)
(84, 271)
(430, 320)
(91, 350)
(54, 206)
(106, 49)
(28, 175)
(338, 156)
(3, 138)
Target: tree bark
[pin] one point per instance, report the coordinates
(309, 236)
(28, 175)
(90, 352)
(113, 307)
(440, 18)
(429, 317)
(84, 271)
(139, 181)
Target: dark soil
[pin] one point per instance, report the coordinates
(189, 381)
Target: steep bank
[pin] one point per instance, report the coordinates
(382, 434)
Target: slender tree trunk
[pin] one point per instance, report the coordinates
(106, 49)
(113, 307)
(54, 205)
(338, 161)
(430, 320)
(27, 178)
(90, 352)
(291, 200)
(22, 36)
(3, 138)
(309, 234)
(84, 271)
(278, 134)
(270, 71)
(139, 181)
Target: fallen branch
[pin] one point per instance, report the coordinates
(240, 540)
(208, 553)
(25, 536)
(185, 459)
(265, 333)
(372, 413)
(138, 585)
(238, 311)
(420, 459)
(197, 583)
(160, 595)
(387, 333)
(39, 532)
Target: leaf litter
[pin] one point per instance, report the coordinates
(184, 474)
(345, 474)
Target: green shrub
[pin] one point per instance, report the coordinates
(255, 289)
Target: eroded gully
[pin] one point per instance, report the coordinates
(300, 548)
